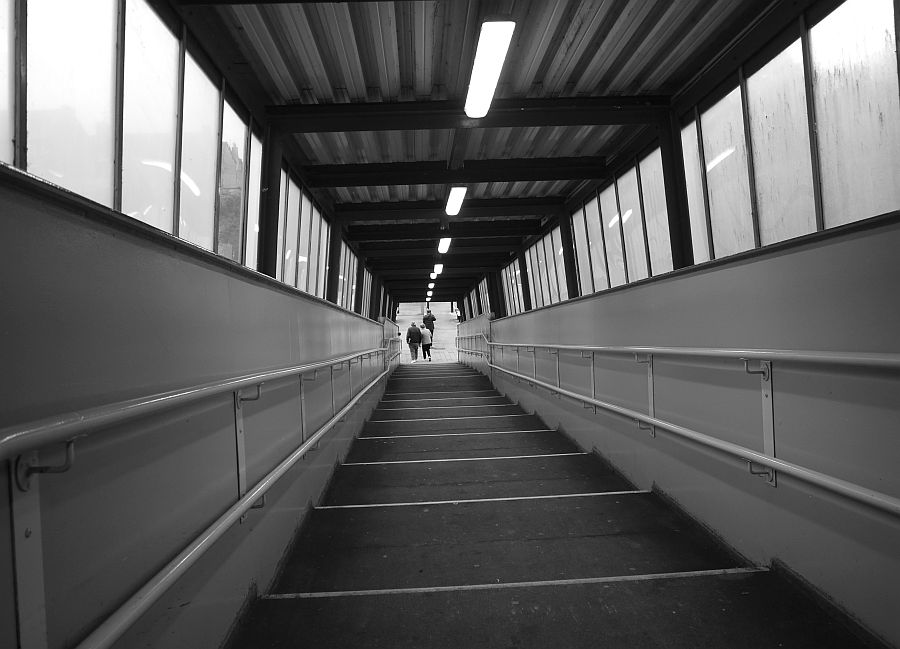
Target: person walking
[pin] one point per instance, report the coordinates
(426, 344)
(413, 339)
(428, 321)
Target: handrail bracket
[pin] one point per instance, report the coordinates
(25, 467)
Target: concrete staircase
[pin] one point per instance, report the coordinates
(460, 521)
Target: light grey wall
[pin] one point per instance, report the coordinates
(831, 293)
(98, 308)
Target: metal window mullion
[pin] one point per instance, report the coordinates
(640, 192)
(119, 114)
(218, 191)
(621, 229)
(751, 173)
(179, 132)
(812, 126)
(283, 217)
(703, 184)
(555, 265)
(20, 91)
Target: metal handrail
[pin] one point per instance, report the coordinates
(859, 359)
(845, 488)
(118, 623)
(17, 439)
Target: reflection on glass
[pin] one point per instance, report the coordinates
(776, 101)
(596, 244)
(291, 232)
(342, 265)
(694, 184)
(632, 226)
(149, 118)
(71, 56)
(541, 272)
(231, 184)
(199, 144)
(727, 179)
(252, 235)
(303, 253)
(854, 62)
(656, 215)
(582, 259)
(7, 87)
(282, 224)
(609, 215)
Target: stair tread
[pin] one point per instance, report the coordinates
(491, 542)
(740, 611)
(395, 448)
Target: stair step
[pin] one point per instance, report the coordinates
(465, 480)
(426, 412)
(753, 610)
(496, 542)
(419, 395)
(373, 449)
(471, 423)
(428, 400)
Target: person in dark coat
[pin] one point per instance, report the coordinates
(428, 321)
(413, 339)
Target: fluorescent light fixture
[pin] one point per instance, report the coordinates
(493, 43)
(429, 293)
(438, 269)
(428, 299)
(433, 275)
(444, 244)
(454, 202)
(430, 284)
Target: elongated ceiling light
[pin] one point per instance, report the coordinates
(429, 293)
(454, 201)
(493, 43)
(438, 269)
(444, 245)
(430, 284)
(433, 275)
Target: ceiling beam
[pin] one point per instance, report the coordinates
(390, 274)
(476, 208)
(472, 171)
(456, 231)
(422, 251)
(504, 113)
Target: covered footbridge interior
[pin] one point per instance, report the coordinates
(672, 416)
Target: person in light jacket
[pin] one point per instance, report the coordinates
(413, 339)
(426, 343)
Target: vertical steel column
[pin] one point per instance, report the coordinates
(672, 157)
(593, 381)
(569, 262)
(269, 217)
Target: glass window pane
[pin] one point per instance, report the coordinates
(340, 278)
(540, 271)
(354, 269)
(8, 86)
(582, 254)
(656, 215)
(199, 144)
(290, 233)
(776, 102)
(596, 245)
(252, 245)
(282, 210)
(633, 226)
(520, 296)
(533, 286)
(233, 160)
(556, 235)
(726, 176)
(306, 219)
(854, 62)
(71, 73)
(315, 246)
(324, 247)
(551, 274)
(694, 182)
(609, 212)
(149, 118)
